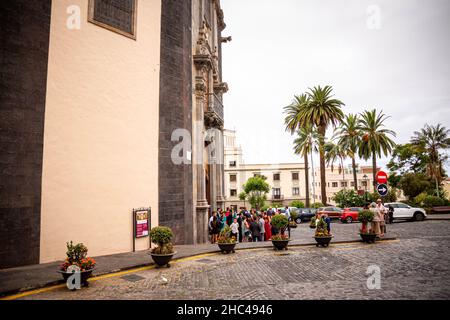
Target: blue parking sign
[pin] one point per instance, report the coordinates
(382, 190)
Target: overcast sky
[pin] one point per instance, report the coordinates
(280, 48)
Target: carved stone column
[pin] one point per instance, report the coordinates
(220, 172)
(202, 205)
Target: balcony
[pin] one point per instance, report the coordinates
(277, 197)
(214, 115)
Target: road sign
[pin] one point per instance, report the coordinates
(382, 177)
(382, 190)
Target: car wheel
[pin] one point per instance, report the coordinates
(419, 216)
(299, 221)
(349, 219)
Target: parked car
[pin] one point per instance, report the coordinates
(404, 211)
(333, 212)
(305, 214)
(350, 215)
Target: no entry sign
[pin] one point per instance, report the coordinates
(382, 177)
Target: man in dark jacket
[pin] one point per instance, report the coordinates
(239, 221)
(255, 230)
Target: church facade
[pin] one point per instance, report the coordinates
(108, 106)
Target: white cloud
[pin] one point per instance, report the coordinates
(280, 48)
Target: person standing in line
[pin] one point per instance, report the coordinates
(240, 230)
(234, 229)
(261, 223)
(247, 232)
(327, 220)
(256, 230)
(215, 230)
(223, 221)
(268, 231)
(287, 213)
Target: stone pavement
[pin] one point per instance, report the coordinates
(415, 267)
(38, 276)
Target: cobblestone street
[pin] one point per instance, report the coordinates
(417, 266)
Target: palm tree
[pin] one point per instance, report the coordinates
(349, 134)
(375, 139)
(335, 152)
(318, 109)
(432, 139)
(303, 146)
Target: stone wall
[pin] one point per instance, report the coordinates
(24, 43)
(175, 181)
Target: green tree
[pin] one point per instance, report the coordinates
(256, 189)
(297, 204)
(349, 133)
(408, 158)
(433, 139)
(349, 198)
(375, 139)
(336, 152)
(317, 108)
(304, 145)
(243, 197)
(414, 184)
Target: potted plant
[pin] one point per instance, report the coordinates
(322, 236)
(312, 224)
(77, 262)
(280, 241)
(226, 242)
(163, 252)
(293, 220)
(367, 235)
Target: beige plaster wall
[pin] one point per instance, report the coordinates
(101, 132)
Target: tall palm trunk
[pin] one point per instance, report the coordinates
(374, 169)
(323, 181)
(307, 180)
(355, 178)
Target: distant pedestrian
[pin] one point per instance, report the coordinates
(261, 223)
(390, 215)
(255, 230)
(327, 220)
(234, 229)
(287, 213)
(268, 229)
(215, 230)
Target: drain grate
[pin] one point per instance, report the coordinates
(207, 261)
(132, 278)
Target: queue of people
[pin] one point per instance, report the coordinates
(246, 226)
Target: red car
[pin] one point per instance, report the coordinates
(350, 215)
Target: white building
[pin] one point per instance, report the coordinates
(287, 180)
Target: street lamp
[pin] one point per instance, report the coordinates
(366, 182)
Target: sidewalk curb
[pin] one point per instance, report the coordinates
(60, 282)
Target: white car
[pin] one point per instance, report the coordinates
(403, 211)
